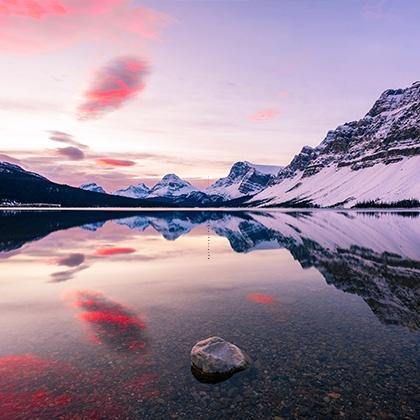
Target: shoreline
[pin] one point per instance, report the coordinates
(214, 209)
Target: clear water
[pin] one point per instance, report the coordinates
(99, 312)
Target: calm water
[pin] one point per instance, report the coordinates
(99, 312)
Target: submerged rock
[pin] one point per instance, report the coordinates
(215, 359)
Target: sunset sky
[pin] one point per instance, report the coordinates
(120, 91)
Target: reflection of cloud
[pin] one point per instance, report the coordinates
(117, 82)
(30, 384)
(65, 275)
(115, 250)
(113, 323)
(71, 260)
(260, 298)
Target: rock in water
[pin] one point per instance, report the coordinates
(215, 359)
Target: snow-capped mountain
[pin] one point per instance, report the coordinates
(375, 159)
(171, 186)
(93, 186)
(244, 179)
(134, 191)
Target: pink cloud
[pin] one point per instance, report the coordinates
(264, 115)
(117, 82)
(35, 9)
(28, 26)
(115, 162)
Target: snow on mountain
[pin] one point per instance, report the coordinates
(134, 191)
(244, 178)
(10, 168)
(171, 186)
(92, 186)
(374, 159)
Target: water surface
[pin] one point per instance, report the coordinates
(99, 311)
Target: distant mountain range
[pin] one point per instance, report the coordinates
(372, 162)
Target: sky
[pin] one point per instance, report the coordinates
(120, 91)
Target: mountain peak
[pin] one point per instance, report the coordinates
(140, 190)
(92, 186)
(172, 178)
(171, 185)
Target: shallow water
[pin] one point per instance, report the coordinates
(99, 311)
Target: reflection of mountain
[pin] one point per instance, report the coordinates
(20, 227)
(374, 256)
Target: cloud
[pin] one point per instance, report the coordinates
(28, 26)
(264, 115)
(108, 251)
(35, 9)
(120, 80)
(7, 158)
(374, 9)
(112, 323)
(71, 153)
(61, 137)
(115, 162)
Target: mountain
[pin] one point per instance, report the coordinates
(171, 190)
(134, 191)
(93, 187)
(373, 160)
(19, 187)
(171, 186)
(244, 179)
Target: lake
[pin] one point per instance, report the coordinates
(100, 310)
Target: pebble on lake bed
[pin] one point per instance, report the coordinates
(215, 359)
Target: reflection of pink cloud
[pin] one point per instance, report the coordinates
(264, 115)
(260, 298)
(114, 251)
(113, 323)
(38, 25)
(29, 384)
(117, 82)
(115, 162)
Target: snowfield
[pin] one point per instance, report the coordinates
(345, 187)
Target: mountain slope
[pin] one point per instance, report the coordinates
(373, 159)
(171, 186)
(93, 186)
(134, 191)
(244, 179)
